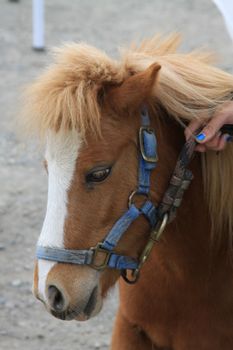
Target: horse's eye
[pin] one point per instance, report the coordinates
(98, 174)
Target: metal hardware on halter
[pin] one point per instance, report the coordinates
(155, 235)
(145, 156)
(98, 250)
(136, 193)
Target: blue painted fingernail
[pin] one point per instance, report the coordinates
(201, 136)
(229, 138)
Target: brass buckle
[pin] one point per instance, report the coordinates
(97, 252)
(154, 237)
(141, 143)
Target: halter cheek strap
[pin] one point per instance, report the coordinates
(104, 251)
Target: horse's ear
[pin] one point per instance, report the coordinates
(134, 91)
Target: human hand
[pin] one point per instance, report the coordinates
(210, 137)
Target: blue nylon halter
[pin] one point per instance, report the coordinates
(147, 162)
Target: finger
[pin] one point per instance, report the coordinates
(217, 144)
(201, 148)
(222, 142)
(211, 129)
(192, 127)
(213, 144)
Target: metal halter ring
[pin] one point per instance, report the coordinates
(133, 194)
(133, 276)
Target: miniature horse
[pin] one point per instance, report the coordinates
(89, 109)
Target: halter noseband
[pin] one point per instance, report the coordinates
(103, 254)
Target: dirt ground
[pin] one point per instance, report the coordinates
(107, 24)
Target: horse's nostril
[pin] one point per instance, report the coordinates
(56, 299)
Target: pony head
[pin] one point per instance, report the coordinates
(87, 108)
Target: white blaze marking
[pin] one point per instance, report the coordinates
(61, 154)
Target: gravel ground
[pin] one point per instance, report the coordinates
(107, 24)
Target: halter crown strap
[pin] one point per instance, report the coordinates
(148, 150)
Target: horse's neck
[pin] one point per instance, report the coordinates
(190, 230)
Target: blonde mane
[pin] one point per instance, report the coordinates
(66, 96)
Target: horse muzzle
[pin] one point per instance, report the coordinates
(69, 292)
(61, 308)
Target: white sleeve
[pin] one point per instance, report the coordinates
(226, 8)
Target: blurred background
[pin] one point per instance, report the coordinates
(107, 24)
